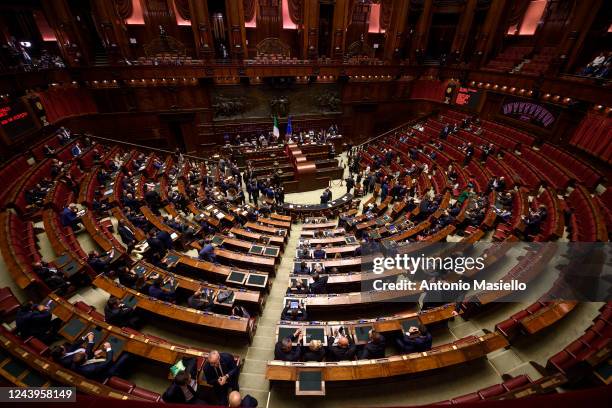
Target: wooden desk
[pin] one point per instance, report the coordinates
(254, 236)
(266, 230)
(251, 261)
(275, 223)
(286, 218)
(547, 316)
(316, 226)
(443, 356)
(55, 372)
(336, 240)
(213, 321)
(248, 297)
(247, 246)
(311, 233)
(220, 272)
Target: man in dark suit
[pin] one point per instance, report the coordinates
(52, 277)
(222, 373)
(375, 347)
(416, 340)
(165, 238)
(156, 246)
(119, 314)
(319, 252)
(126, 234)
(98, 367)
(344, 349)
(284, 350)
(153, 200)
(236, 401)
(181, 390)
(319, 284)
(64, 354)
(99, 263)
(36, 320)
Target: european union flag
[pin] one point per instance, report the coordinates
(289, 130)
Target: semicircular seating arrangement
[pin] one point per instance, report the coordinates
(416, 192)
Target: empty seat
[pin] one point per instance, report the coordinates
(146, 394)
(120, 384)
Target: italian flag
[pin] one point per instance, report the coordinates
(275, 130)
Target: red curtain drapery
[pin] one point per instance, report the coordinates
(594, 135)
(62, 103)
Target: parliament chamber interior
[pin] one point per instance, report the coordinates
(306, 203)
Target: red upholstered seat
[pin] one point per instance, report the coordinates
(576, 348)
(84, 307)
(472, 397)
(516, 382)
(38, 346)
(146, 394)
(507, 327)
(120, 384)
(96, 315)
(491, 391)
(8, 304)
(562, 361)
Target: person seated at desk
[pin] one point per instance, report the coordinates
(101, 364)
(207, 253)
(118, 314)
(100, 263)
(102, 177)
(182, 390)
(76, 150)
(53, 278)
(64, 353)
(237, 401)
(221, 372)
(319, 252)
(374, 348)
(534, 219)
(295, 313)
(153, 200)
(297, 288)
(158, 291)
(36, 320)
(319, 284)
(127, 278)
(284, 350)
(415, 340)
(48, 151)
(202, 299)
(314, 352)
(130, 202)
(69, 218)
(342, 348)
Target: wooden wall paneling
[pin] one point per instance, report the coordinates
(489, 30)
(112, 30)
(69, 38)
(341, 10)
(463, 30)
(200, 26)
(582, 19)
(394, 35)
(310, 41)
(236, 30)
(269, 19)
(422, 31)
